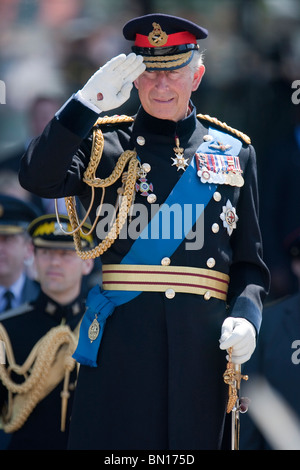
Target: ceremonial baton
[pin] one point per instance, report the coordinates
(236, 405)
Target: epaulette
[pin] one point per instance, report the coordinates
(116, 119)
(225, 126)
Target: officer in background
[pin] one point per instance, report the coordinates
(16, 252)
(277, 356)
(151, 374)
(36, 398)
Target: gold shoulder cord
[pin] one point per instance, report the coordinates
(128, 157)
(49, 362)
(225, 126)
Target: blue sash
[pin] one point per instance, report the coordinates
(146, 250)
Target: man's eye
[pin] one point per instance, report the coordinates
(150, 72)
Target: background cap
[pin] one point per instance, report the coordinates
(46, 233)
(15, 215)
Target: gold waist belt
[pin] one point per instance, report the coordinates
(168, 279)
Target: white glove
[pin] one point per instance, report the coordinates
(239, 334)
(111, 85)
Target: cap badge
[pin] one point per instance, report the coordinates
(157, 37)
(58, 230)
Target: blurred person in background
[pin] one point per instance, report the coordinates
(38, 417)
(40, 111)
(277, 355)
(280, 206)
(16, 252)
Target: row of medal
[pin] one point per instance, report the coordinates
(211, 168)
(219, 169)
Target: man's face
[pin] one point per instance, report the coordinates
(60, 272)
(14, 251)
(166, 94)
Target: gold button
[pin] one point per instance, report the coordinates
(141, 140)
(151, 198)
(217, 196)
(215, 228)
(207, 295)
(146, 167)
(165, 261)
(211, 262)
(170, 293)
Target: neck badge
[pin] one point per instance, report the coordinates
(179, 159)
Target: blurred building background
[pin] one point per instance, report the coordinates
(49, 48)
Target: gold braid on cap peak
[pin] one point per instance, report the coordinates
(225, 126)
(129, 157)
(166, 62)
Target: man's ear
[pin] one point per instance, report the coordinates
(136, 84)
(198, 77)
(88, 265)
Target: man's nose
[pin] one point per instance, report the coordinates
(162, 80)
(55, 257)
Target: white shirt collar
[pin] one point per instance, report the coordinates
(16, 288)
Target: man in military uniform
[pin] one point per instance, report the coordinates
(40, 337)
(151, 374)
(16, 286)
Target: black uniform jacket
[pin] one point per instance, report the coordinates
(156, 344)
(42, 428)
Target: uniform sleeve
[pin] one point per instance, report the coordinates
(54, 162)
(249, 276)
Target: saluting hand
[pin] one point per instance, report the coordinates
(111, 85)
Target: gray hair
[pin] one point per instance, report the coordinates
(196, 61)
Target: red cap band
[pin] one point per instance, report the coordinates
(175, 39)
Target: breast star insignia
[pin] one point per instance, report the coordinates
(229, 217)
